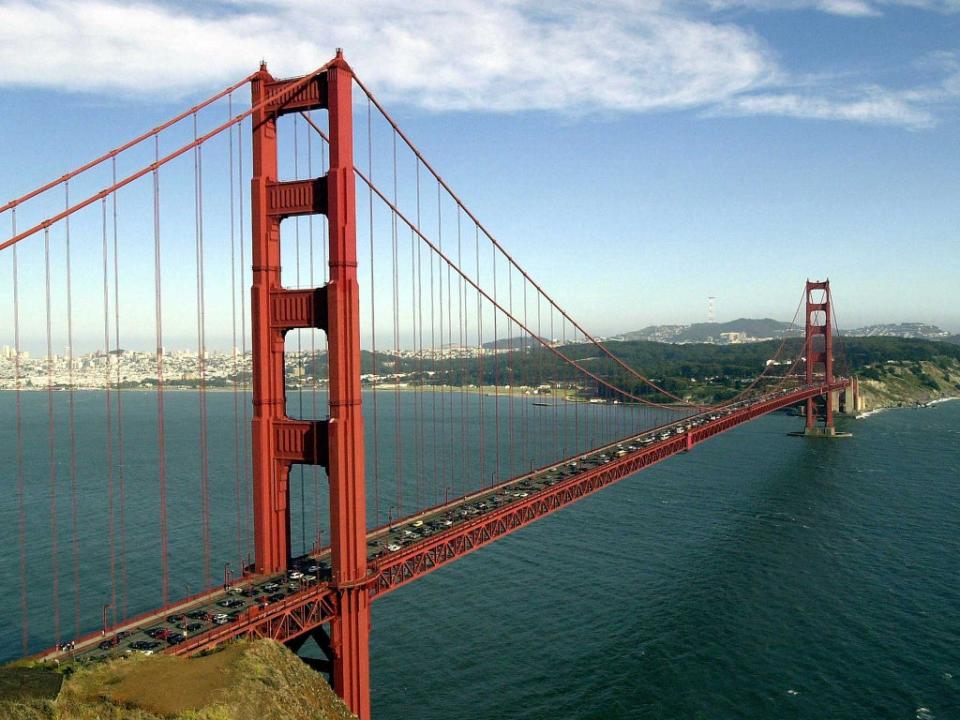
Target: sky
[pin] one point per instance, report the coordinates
(635, 156)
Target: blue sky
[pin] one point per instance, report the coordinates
(635, 156)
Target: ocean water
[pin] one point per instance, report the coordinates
(761, 576)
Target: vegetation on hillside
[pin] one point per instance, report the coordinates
(245, 680)
(700, 371)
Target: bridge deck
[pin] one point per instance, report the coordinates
(286, 606)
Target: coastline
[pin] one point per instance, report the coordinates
(486, 390)
(904, 406)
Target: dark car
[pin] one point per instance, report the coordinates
(198, 615)
(144, 645)
(175, 639)
(276, 597)
(174, 619)
(106, 644)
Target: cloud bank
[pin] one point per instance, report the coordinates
(454, 55)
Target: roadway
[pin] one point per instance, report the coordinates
(407, 548)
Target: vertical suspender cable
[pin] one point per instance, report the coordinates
(526, 365)
(234, 365)
(373, 321)
(444, 471)
(21, 490)
(397, 448)
(496, 369)
(417, 418)
(108, 406)
(566, 403)
(161, 439)
(433, 364)
(462, 317)
(511, 446)
(451, 474)
(540, 353)
(52, 446)
(245, 444)
(202, 358)
(482, 472)
(576, 408)
(324, 229)
(555, 385)
(420, 375)
(121, 471)
(74, 540)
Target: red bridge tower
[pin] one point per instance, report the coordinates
(819, 352)
(337, 443)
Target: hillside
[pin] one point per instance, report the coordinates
(902, 330)
(700, 371)
(893, 383)
(246, 680)
(711, 332)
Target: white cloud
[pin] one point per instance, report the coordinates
(505, 55)
(913, 108)
(849, 8)
(443, 55)
(873, 106)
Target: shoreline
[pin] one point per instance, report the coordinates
(522, 391)
(904, 406)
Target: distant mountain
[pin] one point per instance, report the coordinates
(735, 331)
(955, 339)
(903, 330)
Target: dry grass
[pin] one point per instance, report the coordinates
(259, 680)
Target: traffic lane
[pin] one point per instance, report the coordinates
(221, 608)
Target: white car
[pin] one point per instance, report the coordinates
(220, 619)
(295, 574)
(393, 547)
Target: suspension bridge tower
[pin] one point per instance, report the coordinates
(819, 354)
(336, 443)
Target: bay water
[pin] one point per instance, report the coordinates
(760, 576)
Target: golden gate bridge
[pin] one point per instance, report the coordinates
(428, 448)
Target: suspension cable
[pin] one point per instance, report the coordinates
(112, 154)
(507, 255)
(372, 189)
